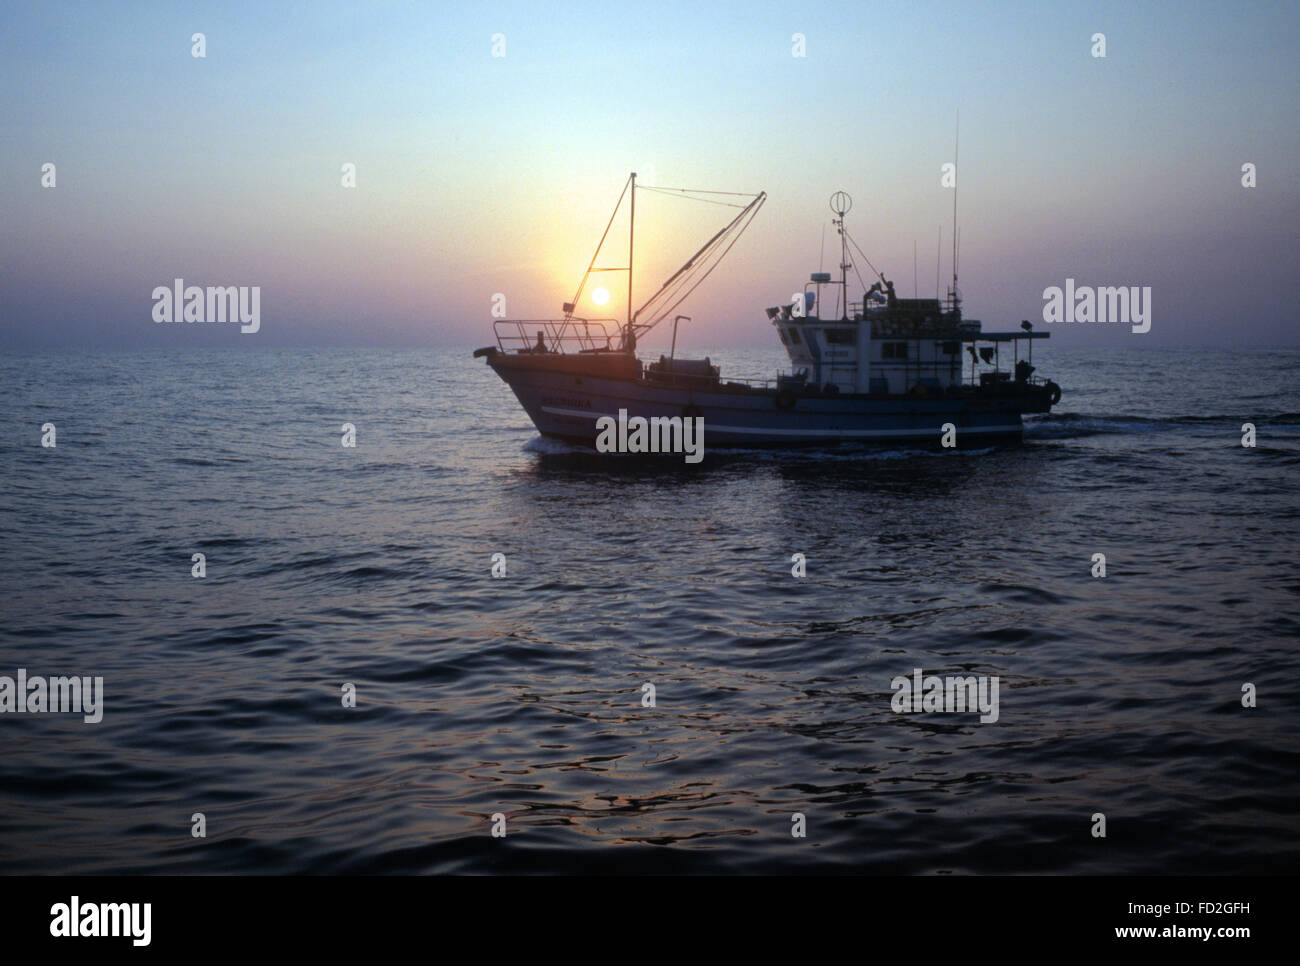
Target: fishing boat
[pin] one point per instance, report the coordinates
(877, 369)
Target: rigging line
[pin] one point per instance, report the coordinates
(705, 201)
(674, 293)
(864, 257)
(702, 191)
(738, 225)
(757, 204)
(684, 281)
(596, 254)
(691, 261)
(860, 282)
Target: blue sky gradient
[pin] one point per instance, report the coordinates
(480, 175)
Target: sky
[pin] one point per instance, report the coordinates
(479, 175)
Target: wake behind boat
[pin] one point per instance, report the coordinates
(879, 369)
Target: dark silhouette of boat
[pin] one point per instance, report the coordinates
(881, 369)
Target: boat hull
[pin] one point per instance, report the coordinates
(565, 403)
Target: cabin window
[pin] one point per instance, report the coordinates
(893, 350)
(839, 336)
(952, 348)
(794, 336)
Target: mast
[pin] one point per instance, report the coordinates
(631, 228)
(685, 279)
(841, 204)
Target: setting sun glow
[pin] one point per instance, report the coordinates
(600, 296)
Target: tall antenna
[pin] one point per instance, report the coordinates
(938, 247)
(956, 177)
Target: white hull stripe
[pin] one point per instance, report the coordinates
(759, 431)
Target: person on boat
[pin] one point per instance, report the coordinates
(541, 342)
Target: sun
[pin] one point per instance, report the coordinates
(600, 296)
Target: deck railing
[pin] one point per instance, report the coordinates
(558, 335)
